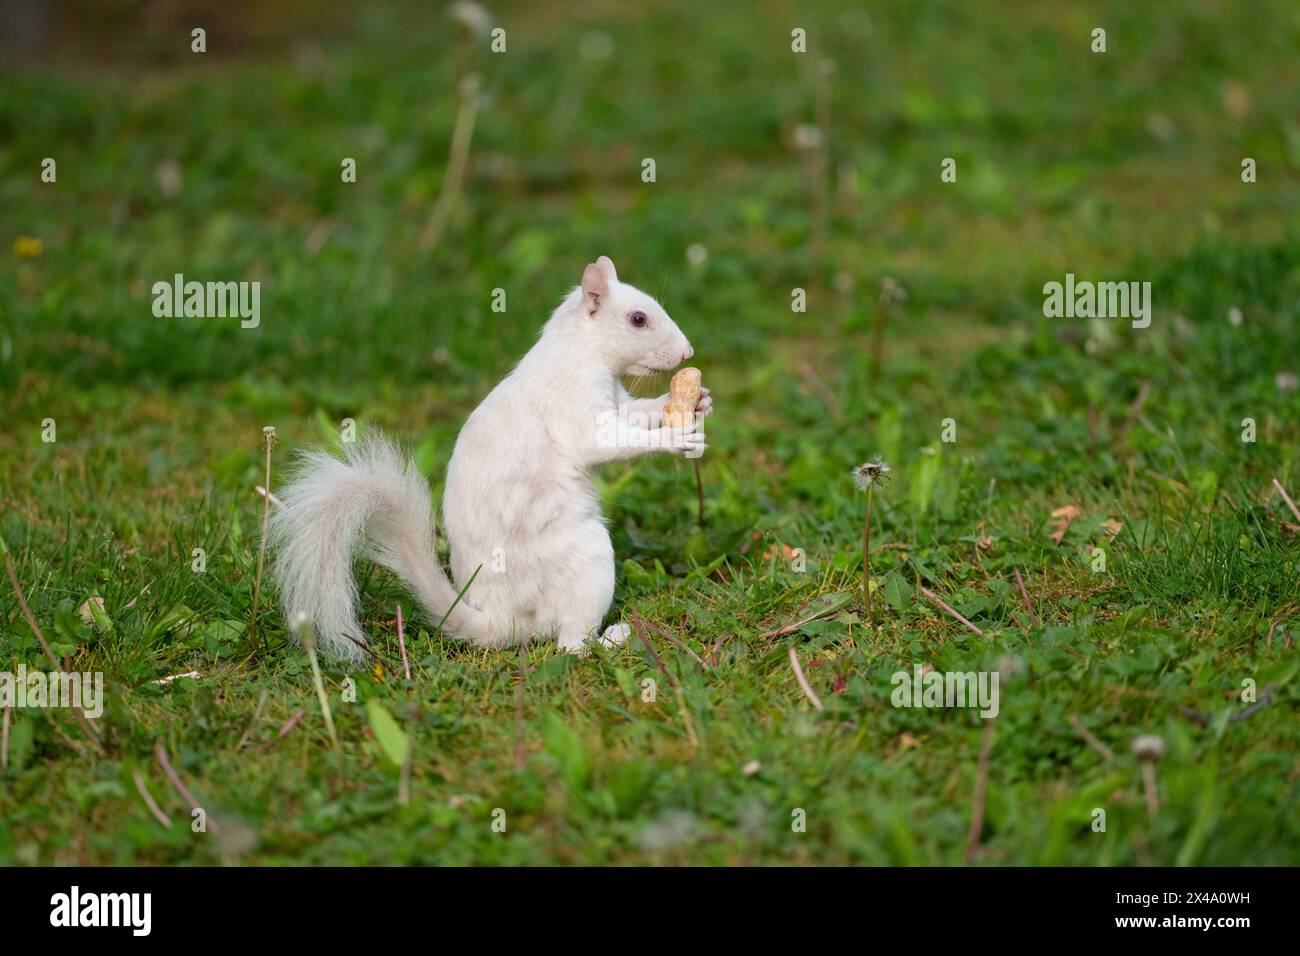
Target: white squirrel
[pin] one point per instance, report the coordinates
(519, 508)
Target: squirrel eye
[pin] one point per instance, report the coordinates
(638, 319)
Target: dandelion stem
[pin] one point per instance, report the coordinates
(269, 434)
(461, 136)
(866, 562)
(798, 625)
(401, 641)
(699, 490)
(1144, 392)
(1025, 594)
(1090, 738)
(945, 606)
(149, 800)
(308, 635)
(820, 157)
(1287, 498)
(287, 726)
(27, 611)
(803, 681)
(179, 785)
(1149, 789)
(981, 789)
(89, 728)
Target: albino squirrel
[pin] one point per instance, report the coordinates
(519, 503)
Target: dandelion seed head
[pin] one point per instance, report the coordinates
(891, 290)
(807, 137)
(874, 472)
(472, 16)
(596, 45)
(1010, 667)
(1148, 747)
(670, 831)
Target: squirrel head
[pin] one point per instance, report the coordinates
(628, 329)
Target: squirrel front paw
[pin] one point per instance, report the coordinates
(705, 405)
(688, 439)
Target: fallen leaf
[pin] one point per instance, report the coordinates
(756, 536)
(93, 614)
(1063, 516)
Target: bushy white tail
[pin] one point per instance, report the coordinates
(376, 500)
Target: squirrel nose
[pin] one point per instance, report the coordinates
(689, 352)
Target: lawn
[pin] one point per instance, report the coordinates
(1133, 478)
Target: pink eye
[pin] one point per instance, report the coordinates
(638, 320)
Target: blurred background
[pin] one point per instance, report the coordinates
(818, 170)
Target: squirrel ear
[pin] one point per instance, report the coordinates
(607, 266)
(595, 285)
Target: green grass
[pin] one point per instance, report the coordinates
(1116, 166)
